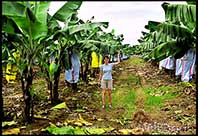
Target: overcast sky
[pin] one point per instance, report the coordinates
(127, 18)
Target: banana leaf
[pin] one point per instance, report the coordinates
(180, 12)
(174, 31)
(152, 25)
(164, 50)
(86, 26)
(9, 26)
(69, 8)
(26, 20)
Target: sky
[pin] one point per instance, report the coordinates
(127, 18)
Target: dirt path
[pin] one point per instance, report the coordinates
(145, 100)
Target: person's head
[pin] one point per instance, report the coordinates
(106, 59)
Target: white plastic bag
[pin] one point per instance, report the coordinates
(72, 75)
(178, 68)
(188, 62)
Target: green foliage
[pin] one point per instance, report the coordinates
(69, 130)
(65, 12)
(86, 26)
(172, 37)
(60, 131)
(157, 96)
(153, 101)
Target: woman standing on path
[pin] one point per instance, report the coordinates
(105, 76)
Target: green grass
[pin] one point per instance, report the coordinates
(153, 100)
(155, 97)
(136, 61)
(124, 97)
(133, 80)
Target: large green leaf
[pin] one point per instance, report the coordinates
(180, 12)
(26, 20)
(174, 30)
(60, 131)
(13, 9)
(41, 11)
(86, 26)
(66, 11)
(152, 25)
(165, 50)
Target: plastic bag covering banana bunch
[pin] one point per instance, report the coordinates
(167, 63)
(95, 63)
(11, 69)
(185, 65)
(72, 75)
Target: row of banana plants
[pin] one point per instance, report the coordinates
(36, 35)
(172, 37)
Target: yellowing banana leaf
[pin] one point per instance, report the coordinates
(100, 119)
(137, 131)
(109, 129)
(84, 121)
(126, 131)
(13, 131)
(96, 131)
(60, 106)
(78, 123)
(52, 125)
(8, 123)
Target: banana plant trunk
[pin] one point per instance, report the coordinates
(54, 91)
(26, 81)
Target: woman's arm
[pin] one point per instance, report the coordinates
(118, 58)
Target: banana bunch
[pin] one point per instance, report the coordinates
(11, 69)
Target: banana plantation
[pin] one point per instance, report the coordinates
(50, 73)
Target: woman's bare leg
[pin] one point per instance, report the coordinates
(109, 93)
(103, 96)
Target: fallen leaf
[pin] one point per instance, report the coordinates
(8, 123)
(78, 123)
(60, 131)
(84, 121)
(178, 111)
(137, 131)
(100, 119)
(79, 131)
(60, 106)
(79, 110)
(125, 131)
(13, 131)
(96, 131)
(109, 129)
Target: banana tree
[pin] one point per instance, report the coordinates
(51, 72)
(180, 25)
(87, 32)
(23, 21)
(66, 39)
